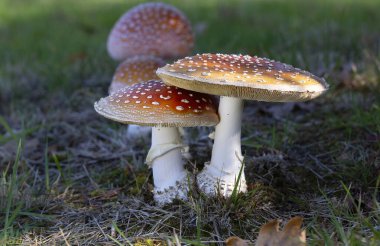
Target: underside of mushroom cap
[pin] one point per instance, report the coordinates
(153, 103)
(245, 77)
(151, 29)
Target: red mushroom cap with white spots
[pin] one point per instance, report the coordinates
(243, 76)
(153, 103)
(151, 29)
(134, 70)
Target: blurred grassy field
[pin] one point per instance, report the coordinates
(80, 181)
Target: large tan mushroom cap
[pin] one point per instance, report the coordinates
(134, 70)
(151, 29)
(153, 103)
(245, 77)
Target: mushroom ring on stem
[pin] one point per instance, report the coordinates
(235, 78)
(165, 108)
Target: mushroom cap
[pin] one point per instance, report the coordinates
(153, 103)
(151, 29)
(134, 70)
(245, 77)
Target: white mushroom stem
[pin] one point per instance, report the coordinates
(165, 158)
(226, 159)
(136, 132)
(221, 175)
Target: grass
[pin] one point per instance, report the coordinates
(9, 218)
(77, 179)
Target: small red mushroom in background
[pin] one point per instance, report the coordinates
(157, 29)
(132, 71)
(135, 70)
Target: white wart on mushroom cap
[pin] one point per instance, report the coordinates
(151, 29)
(134, 70)
(153, 103)
(243, 76)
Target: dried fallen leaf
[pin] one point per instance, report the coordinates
(292, 235)
(236, 241)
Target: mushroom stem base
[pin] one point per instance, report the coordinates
(179, 191)
(222, 185)
(165, 158)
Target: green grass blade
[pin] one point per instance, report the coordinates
(115, 240)
(47, 177)
(59, 166)
(235, 191)
(121, 233)
(9, 219)
(5, 124)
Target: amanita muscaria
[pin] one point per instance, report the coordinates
(164, 108)
(235, 78)
(157, 29)
(132, 71)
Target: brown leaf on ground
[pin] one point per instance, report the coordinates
(292, 235)
(236, 241)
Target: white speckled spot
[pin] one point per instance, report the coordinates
(165, 98)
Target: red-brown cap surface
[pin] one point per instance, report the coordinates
(153, 103)
(134, 70)
(246, 77)
(151, 29)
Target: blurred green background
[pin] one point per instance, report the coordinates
(53, 37)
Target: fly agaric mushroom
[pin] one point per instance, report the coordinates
(134, 70)
(151, 29)
(165, 108)
(131, 71)
(235, 78)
